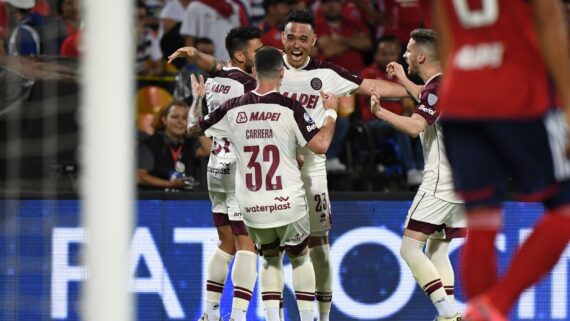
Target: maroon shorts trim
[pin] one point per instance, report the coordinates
(429, 229)
(220, 219)
(238, 228)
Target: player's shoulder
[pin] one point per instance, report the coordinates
(326, 66)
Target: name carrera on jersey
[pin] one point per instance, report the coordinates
(307, 100)
(258, 133)
(218, 88)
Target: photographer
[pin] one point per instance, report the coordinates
(169, 159)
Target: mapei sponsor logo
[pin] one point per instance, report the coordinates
(307, 100)
(281, 199)
(427, 110)
(264, 115)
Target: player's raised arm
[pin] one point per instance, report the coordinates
(320, 143)
(204, 61)
(553, 40)
(394, 69)
(411, 126)
(198, 93)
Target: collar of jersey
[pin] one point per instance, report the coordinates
(432, 77)
(267, 93)
(288, 66)
(226, 68)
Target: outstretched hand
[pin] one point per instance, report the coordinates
(330, 101)
(198, 86)
(188, 52)
(375, 102)
(394, 69)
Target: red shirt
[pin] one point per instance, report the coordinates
(394, 105)
(270, 35)
(403, 16)
(495, 69)
(352, 59)
(70, 46)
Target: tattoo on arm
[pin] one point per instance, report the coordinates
(194, 116)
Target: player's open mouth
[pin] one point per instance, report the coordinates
(296, 55)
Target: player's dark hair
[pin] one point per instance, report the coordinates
(238, 38)
(268, 62)
(427, 38)
(302, 16)
(205, 40)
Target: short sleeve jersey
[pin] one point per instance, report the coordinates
(495, 69)
(304, 85)
(438, 179)
(227, 83)
(265, 130)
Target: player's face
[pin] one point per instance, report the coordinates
(411, 56)
(386, 52)
(253, 45)
(175, 121)
(298, 39)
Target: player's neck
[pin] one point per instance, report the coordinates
(265, 86)
(428, 72)
(236, 64)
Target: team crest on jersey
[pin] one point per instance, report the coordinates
(241, 118)
(432, 99)
(308, 118)
(316, 84)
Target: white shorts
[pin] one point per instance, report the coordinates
(293, 237)
(435, 217)
(317, 193)
(221, 173)
(226, 203)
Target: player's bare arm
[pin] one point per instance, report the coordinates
(204, 61)
(383, 87)
(553, 39)
(411, 126)
(320, 143)
(394, 69)
(198, 93)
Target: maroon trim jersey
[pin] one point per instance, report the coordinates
(222, 85)
(304, 84)
(495, 68)
(265, 131)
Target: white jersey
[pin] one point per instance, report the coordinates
(266, 131)
(230, 82)
(204, 21)
(438, 179)
(304, 84)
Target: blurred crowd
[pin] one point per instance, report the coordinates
(359, 35)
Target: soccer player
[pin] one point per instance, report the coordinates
(304, 78)
(436, 213)
(505, 62)
(265, 129)
(230, 82)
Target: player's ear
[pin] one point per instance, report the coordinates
(239, 56)
(281, 72)
(314, 40)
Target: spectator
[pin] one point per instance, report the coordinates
(25, 38)
(71, 46)
(401, 17)
(57, 29)
(167, 159)
(388, 50)
(271, 26)
(171, 17)
(341, 40)
(212, 19)
(149, 56)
